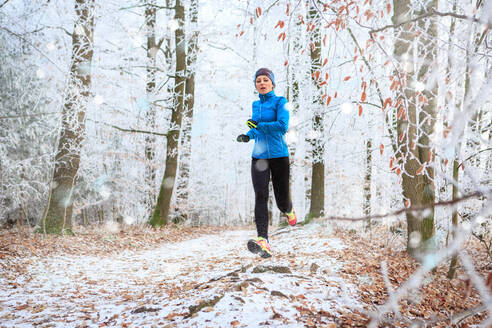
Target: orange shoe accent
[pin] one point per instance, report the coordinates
(260, 245)
(291, 218)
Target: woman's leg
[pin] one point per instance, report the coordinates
(280, 168)
(260, 174)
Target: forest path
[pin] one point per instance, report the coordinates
(210, 281)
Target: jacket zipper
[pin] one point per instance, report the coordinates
(264, 135)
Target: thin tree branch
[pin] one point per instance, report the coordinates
(148, 5)
(366, 62)
(409, 209)
(28, 115)
(51, 27)
(159, 43)
(32, 45)
(224, 47)
(130, 130)
(270, 7)
(3, 4)
(481, 151)
(458, 318)
(431, 13)
(484, 242)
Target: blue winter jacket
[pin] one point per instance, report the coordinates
(272, 114)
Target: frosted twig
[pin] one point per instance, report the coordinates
(479, 284)
(413, 208)
(129, 130)
(148, 5)
(471, 156)
(394, 304)
(33, 46)
(429, 14)
(415, 280)
(457, 319)
(28, 115)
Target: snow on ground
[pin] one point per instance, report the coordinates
(211, 281)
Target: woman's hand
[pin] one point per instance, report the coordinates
(242, 138)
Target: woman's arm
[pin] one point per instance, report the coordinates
(282, 122)
(251, 134)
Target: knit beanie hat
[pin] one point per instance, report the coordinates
(267, 72)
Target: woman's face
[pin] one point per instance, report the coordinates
(263, 84)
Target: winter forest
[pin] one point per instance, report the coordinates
(126, 200)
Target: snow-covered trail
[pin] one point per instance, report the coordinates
(160, 287)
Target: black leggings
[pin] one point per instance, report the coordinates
(260, 173)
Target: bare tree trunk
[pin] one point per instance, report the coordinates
(152, 48)
(454, 217)
(58, 218)
(100, 213)
(293, 92)
(415, 123)
(85, 219)
(474, 126)
(185, 160)
(161, 212)
(488, 126)
(367, 181)
(20, 220)
(318, 171)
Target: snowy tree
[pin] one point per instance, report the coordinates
(416, 107)
(27, 109)
(58, 218)
(318, 169)
(162, 208)
(183, 188)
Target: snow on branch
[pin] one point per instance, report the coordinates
(33, 46)
(411, 208)
(28, 115)
(130, 130)
(431, 13)
(148, 5)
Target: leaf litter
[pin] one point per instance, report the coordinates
(320, 276)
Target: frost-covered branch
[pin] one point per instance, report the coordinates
(411, 208)
(28, 115)
(33, 46)
(471, 156)
(431, 13)
(52, 28)
(225, 47)
(130, 130)
(148, 5)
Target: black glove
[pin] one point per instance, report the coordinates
(242, 138)
(251, 124)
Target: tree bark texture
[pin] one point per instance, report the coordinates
(58, 218)
(415, 123)
(293, 88)
(152, 48)
(161, 212)
(185, 160)
(454, 216)
(318, 170)
(367, 180)
(473, 125)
